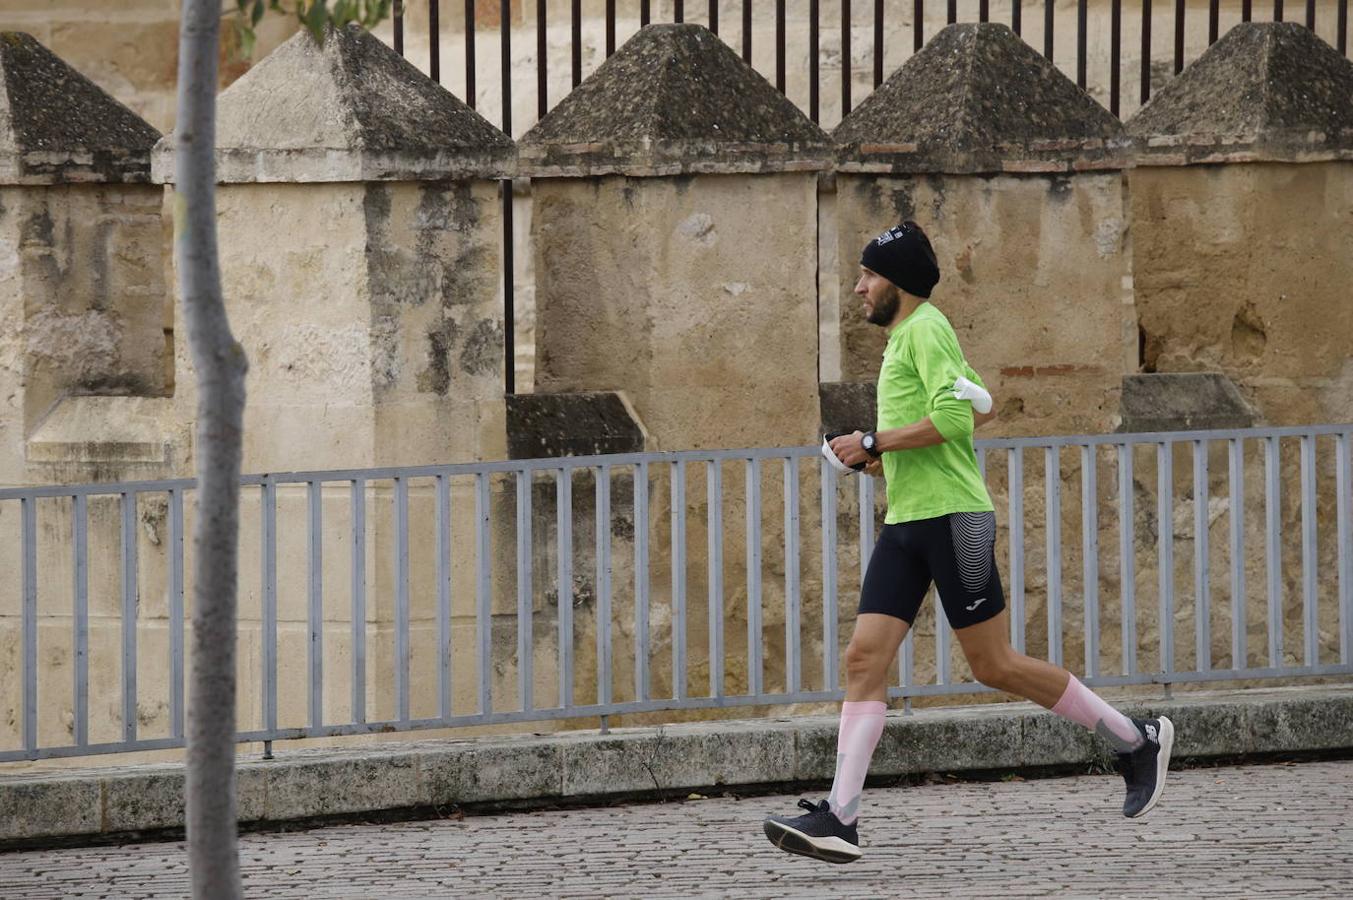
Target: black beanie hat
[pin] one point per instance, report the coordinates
(903, 255)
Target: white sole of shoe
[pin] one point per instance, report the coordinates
(829, 849)
(1162, 763)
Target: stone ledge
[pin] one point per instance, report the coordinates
(586, 765)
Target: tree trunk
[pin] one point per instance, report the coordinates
(213, 854)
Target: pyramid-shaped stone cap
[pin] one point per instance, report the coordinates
(674, 99)
(57, 126)
(978, 99)
(1265, 91)
(351, 110)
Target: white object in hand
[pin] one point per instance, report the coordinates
(967, 390)
(835, 460)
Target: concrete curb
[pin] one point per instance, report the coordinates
(304, 784)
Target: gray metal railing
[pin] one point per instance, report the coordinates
(447, 596)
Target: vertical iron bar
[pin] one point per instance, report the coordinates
(359, 600)
(129, 604)
(526, 643)
(469, 53)
(1146, 52)
(1082, 27)
(29, 548)
(434, 44)
(483, 594)
(175, 614)
(827, 481)
(1016, 15)
(878, 42)
(1273, 549)
(679, 579)
(1310, 14)
(1127, 558)
(564, 603)
(714, 501)
(576, 41)
(754, 636)
(641, 582)
(1342, 41)
(983, 10)
(907, 663)
(645, 14)
(268, 532)
(1016, 482)
(1115, 53)
(813, 60)
(1277, 10)
(1052, 476)
(443, 567)
(398, 13)
(1213, 20)
(81, 549)
(1165, 530)
(780, 45)
(1090, 555)
(402, 635)
(1309, 594)
(845, 58)
(1178, 36)
(1343, 488)
(610, 28)
(951, 15)
(792, 668)
(678, 11)
(603, 576)
(315, 602)
(1245, 10)
(866, 525)
(1048, 8)
(1202, 589)
(1239, 652)
(542, 57)
(714, 16)
(747, 31)
(509, 237)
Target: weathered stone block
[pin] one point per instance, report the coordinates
(502, 769)
(298, 789)
(1183, 402)
(50, 806)
(574, 424)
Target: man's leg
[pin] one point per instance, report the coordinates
(894, 586)
(1143, 747)
(962, 559)
(872, 649)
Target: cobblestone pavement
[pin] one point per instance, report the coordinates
(1256, 831)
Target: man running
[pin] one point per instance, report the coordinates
(940, 527)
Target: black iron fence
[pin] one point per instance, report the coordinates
(886, 20)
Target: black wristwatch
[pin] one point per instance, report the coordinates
(870, 444)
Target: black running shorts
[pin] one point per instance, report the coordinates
(957, 552)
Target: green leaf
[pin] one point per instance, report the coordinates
(259, 9)
(242, 4)
(316, 18)
(246, 39)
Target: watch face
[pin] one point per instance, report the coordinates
(868, 442)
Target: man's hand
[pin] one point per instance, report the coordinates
(874, 468)
(849, 448)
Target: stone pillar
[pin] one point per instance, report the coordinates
(84, 315)
(85, 369)
(1015, 173)
(1241, 187)
(674, 232)
(360, 228)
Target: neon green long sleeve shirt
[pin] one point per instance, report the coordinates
(920, 364)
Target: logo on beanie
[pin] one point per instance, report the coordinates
(889, 236)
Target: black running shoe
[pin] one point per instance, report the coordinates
(818, 834)
(1144, 768)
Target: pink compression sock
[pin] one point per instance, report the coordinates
(1081, 705)
(861, 728)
